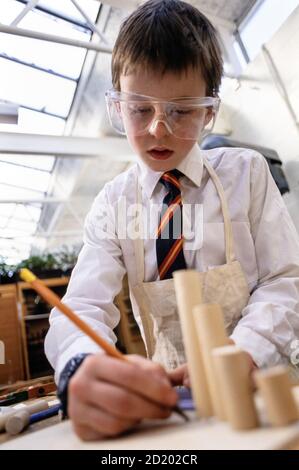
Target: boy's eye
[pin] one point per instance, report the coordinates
(183, 111)
(140, 110)
(180, 111)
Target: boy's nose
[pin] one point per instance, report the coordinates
(159, 128)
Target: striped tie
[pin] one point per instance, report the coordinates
(169, 243)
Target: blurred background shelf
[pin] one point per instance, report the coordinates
(37, 317)
(35, 314)
(10, 336)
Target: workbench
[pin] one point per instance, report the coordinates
(173, 434)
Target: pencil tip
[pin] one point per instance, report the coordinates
(180, 412)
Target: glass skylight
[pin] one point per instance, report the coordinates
(263, 24)
(41, 77)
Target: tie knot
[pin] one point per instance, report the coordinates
(170, 179)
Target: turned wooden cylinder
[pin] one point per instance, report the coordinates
(276, 390)
(188, 291)
(232, 367)
(209, 323)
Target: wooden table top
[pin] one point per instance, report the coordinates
(208, 434)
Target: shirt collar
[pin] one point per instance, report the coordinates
(191, 166)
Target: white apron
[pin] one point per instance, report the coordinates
(159, 319)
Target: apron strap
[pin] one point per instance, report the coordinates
(139, 242)
(229, 239)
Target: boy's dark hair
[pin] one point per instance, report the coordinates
(169, 36)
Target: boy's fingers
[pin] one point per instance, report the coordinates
(177, 376)
(145, 381)
(98, 422)
(145, 363)
(87, 434)
(123, 403)
(149, 366)
(187, 382)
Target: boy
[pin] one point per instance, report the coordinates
(166, 72)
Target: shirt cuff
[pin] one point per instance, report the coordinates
(82, 345)
(262, 351)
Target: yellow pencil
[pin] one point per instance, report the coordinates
(55, 301)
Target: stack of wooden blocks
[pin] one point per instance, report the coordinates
(222, 385)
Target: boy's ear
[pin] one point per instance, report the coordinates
(209, 115)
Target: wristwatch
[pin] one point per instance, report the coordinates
(65, 376)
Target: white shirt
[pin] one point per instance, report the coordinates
(266, 244)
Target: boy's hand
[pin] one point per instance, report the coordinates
(180, 376)
(107, 396)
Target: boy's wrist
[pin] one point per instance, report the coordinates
(68, 371)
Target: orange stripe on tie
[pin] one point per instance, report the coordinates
(170, 258)
(169, 214)
(171, 179)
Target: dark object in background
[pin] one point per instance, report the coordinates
(275, 164)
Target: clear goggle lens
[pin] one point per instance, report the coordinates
(185, 118)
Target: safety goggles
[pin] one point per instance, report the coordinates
(185, 118)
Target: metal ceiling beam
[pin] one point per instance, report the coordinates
(42, 111)
(62, 233)
(37, 200)
(52, 38)
(242, 46)
(117, 149)
(30, 5)
(87, 68)
(9, 112)
(233, 60)
(36, 67)
(249, 13)
(280, 85)
(123, 4)
(45, 200)
(57, 14)
(90, 23)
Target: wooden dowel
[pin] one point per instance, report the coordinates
(295, 393)
(233, 372)
(209, 322)
(188, 291)
(276, 390)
